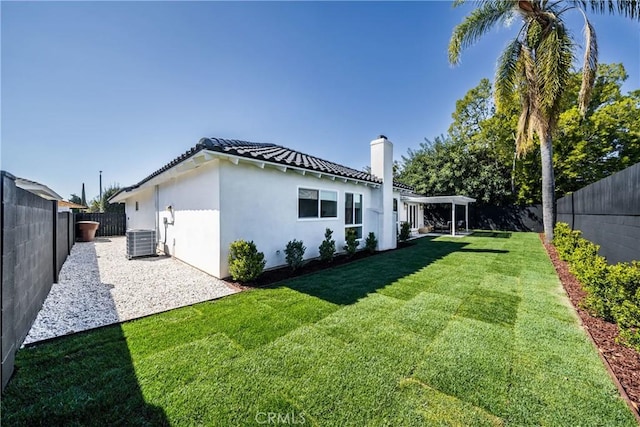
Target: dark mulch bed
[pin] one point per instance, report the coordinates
(624, 361)
(270, 277)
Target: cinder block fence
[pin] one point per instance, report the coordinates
(36, 240)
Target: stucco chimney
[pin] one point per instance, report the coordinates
(382, 167)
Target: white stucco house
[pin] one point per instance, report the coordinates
(224, 190)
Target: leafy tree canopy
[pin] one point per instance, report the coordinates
(476, 156)
(103, 205)
(74, 198)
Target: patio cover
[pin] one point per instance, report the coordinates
(453, 200)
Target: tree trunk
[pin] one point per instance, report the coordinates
(548, 187)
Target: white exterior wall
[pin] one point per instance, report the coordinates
(262, 205)
(191, 232)
(145, 216)
(403, 213)
(382, 167)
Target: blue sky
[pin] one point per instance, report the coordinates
(125, 87)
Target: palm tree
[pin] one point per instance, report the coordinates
(536, 65)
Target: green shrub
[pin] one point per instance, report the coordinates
(624, 296)
(352, 242)
(592, 271)
(628, 318)
(245, 262)
(371, 243)
(613, 291)
(327, 247)
(405, 231)
(295, 253)
(565, 239)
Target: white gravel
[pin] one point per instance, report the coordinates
(99, 286)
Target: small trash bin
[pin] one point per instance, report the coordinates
(87, 230)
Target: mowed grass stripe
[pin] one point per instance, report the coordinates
(471, 331)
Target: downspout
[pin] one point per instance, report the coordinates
(157, 213)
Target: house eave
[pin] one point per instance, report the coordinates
(205, 156)
(263, 164)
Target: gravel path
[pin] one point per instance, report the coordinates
(99, 286)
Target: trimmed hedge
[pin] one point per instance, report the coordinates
(352, 242)
(613, 291)
(371, 243)
(295, 254)
(327, 247)
(245, 262)
(405, 231)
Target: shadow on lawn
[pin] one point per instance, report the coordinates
(87, 378)
(485, 251)
(84, 379)
(498, 234)
(348, 283)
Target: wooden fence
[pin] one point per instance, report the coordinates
(111, 223)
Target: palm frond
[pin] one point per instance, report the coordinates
(529, 79)
(589, 67)
(533, 33)
(626, 8)
(554, 58)
(506, 72)
(524, 135)
(476, 24)
(529, 98)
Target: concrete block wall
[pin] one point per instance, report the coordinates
(28, 263)
(64, 238)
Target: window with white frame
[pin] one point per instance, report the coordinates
(313, 203)
(353, 213)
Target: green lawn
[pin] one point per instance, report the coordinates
(471, 331)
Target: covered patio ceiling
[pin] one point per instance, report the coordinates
(452, 200)
(458, 200)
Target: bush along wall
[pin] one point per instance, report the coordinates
(613, 291)
(245, 262)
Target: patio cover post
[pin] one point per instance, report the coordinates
(454, 200)
(466, 216)
(453, 218)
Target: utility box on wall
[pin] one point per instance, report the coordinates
(141, 243)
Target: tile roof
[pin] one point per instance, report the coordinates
(269, 153)
(284, 156)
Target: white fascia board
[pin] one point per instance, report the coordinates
(262, 164)
(206, 156)
(124, 195)
(38, 189)
(186, 165)
(455, 199)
